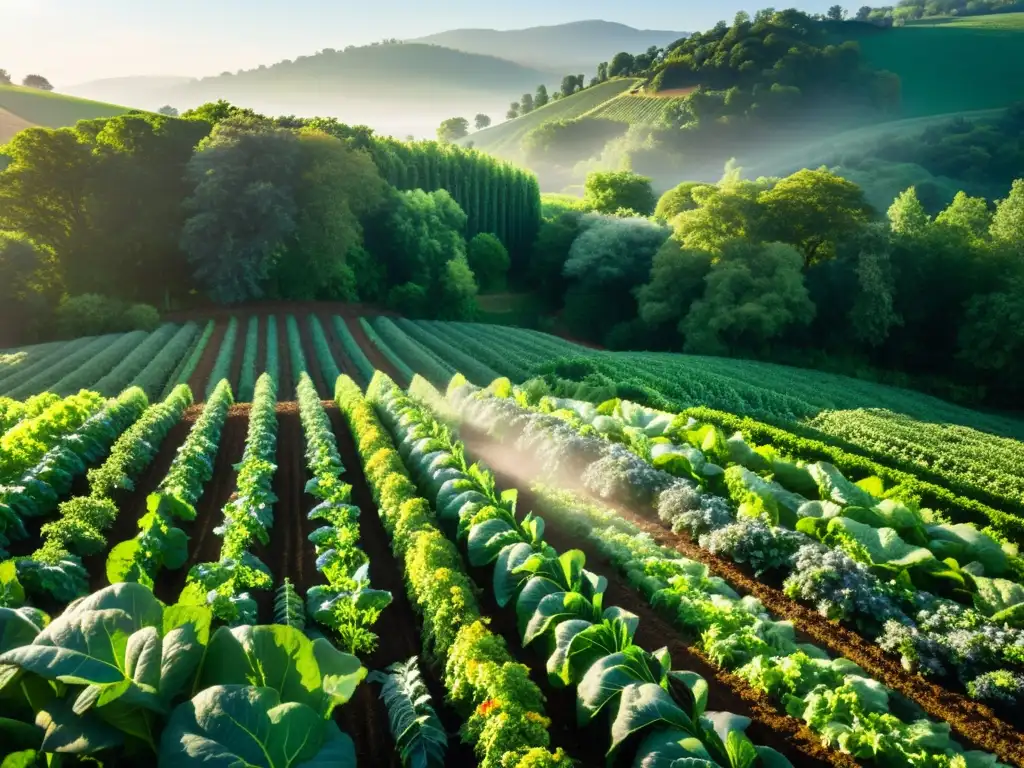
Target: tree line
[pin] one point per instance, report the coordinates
(232, 206)
(800, 270)
(29, 81)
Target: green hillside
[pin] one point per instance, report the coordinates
(952, 65)
(637, 109)
(53, 110)
(504, 139)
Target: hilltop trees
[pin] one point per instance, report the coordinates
(541, 97)
(453, 129)
(5, 77)
(481, 121)
(513, 111)
(526, 104)
(37, 81)
(168, 110)
(611, 191)
(571, 84)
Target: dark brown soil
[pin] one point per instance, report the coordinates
(205, 545)
(201, 376)
(289, 553)
(365, 717)
(732, 694)
(975, 725)
(372, 353)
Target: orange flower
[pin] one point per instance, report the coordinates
(488, 707)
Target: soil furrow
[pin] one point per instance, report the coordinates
(312, 361)
(974, 725)
(204, 544)
(334, 342)
(372, 353)
(201, 376)
(398, 629)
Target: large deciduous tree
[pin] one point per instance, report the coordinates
(541, 97)
(814, 210)
(481, 121)
(489, 261)
(5, 77)
(753, 294)
(453, 129)
(1008, 222)
(243, 210)
(38, 82)
(620, 65)
(610, 191)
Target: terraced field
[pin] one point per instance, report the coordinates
(608, 558)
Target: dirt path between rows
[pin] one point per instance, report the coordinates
(975, 725)
(372, 353)
(768, 727)
(201, 375)
(398, 629)
(204, 545)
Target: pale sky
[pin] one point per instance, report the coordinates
(70, 41)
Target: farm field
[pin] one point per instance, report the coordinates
(24, 107)
(591, 555)
(932, 81)
(637, 110)
(505, 137)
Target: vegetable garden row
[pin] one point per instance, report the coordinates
(618, 583)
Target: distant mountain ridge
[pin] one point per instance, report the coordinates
(574, 47)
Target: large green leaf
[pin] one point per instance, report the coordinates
(670, 748)
(613, 635)
(535, 590)
(270, 656)
(999, 596)
(646, 705)
(555, 608)
(690, 691)
(341, 673)
(12, 594)
(84, 648)
(883, 545)
(16, 628)
(506, 580)
(608, 676)
(244, 726)
(965, 543)
(487, 539)
(557, 665)
(833, 486)
(78, 734)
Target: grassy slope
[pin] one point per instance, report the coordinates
(504, 139)
(53, 110)
(636, 110)
(953, 65)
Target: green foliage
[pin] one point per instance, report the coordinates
(92, 314)
(418, 733)
(247, 380)
(753, 293)
(907, 216)
(607, 192)
(453, 129)
(222, 365)
(1008, 221)
(489, 261)
(676, 200)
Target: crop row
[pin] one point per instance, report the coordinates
(160, 543)
(561, 604)
(353, 351)
(322, 350)
(10, 383)
(247, 378)
(23, 364)
(222, 365)
(502, 710)
(827, 579)
(79, 530)
(38, 490)
(470, 367)
(347, 604)
(405, 372)
(125, 370)
(224, 585)
(22, 446)
(154, 378)
(273, 365)
(298, 357)
(12, 411)
(66, 369)
(489, 354)
(190, 361)
(416, 357)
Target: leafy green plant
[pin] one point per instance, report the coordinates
(288, 607)
(247, 379)
(419, 736)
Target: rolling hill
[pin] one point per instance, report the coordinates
(504, 139)
(575, 47)
(22, 108)
(138, 90)
(401, 88)
(951, 65)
